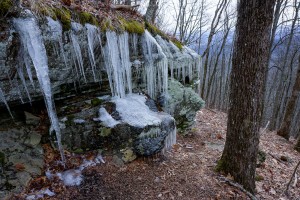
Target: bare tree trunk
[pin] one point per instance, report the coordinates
(277, 14)
(287, 121)
(226, 33)
(246, 90)
(218, 13)
(280, 91)
(151, 11)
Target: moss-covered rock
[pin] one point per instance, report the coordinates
(132, 26)
(5, 6)
(177, 43)
(64, 16)
(128, 155)
(86, 17)
(106, 25)
(96, 102)
(155, 31)
(183, 103)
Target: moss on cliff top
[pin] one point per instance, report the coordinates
(86, 17)
(64, 16)
(5, 5)
(132, 26)
(156, 31)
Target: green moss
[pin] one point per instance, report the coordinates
(261, 156)
(177, 43)
(78, 151)
(155, 31)
(105, 132)
(221, 166)
(132, 26)
(259, 178)
(86, 17)
(106, 25)
(5, 5)
(64, 16)
(96, 102)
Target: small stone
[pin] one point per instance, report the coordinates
(117, 161)
(33, 139)
(31, 119)
(157, 180)
(128, 155)
(24, 178)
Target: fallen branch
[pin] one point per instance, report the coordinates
(293, 175)
(211, 110)
(125, 7)
(278, 159)
(238, 186)
(263, 131)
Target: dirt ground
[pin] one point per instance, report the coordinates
(186, 172)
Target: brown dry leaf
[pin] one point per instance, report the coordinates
(19, 167)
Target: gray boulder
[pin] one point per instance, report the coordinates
(128, 126)
(182, 103)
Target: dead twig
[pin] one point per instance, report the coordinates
(278, 159)
(264, 130)
(293, 175)
(211, 110)
(238, 186)
(125, 7)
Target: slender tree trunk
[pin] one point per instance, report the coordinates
(249, 61)
(287, 121)
(280, 91)
(276, 16)
(151, 11)
(218, 13)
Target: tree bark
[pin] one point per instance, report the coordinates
(151, 11)
(249, 61)
(287, 121)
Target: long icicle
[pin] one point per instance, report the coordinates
(31, 39)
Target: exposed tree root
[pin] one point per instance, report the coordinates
(238, 186)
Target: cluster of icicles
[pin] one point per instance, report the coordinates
(159, 57)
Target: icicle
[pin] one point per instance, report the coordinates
(117, 63)
(21, 75)
(56, 34)
(134, 39)
(76, 27)
(13, 83)
(2, 98)
(125, 59)
(170, 141)
(92, 33)
(31, 39)
(153, 76)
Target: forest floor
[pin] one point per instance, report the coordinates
(187, 172)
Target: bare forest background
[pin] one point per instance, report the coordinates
(208, 27)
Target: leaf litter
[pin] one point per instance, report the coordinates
(186, 172)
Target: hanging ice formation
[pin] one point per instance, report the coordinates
(56, 34)
(78, 61)
(92, 35)
(32, 43)
(2, 98)
(159, 56)
(156, 66)
(118, 64)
